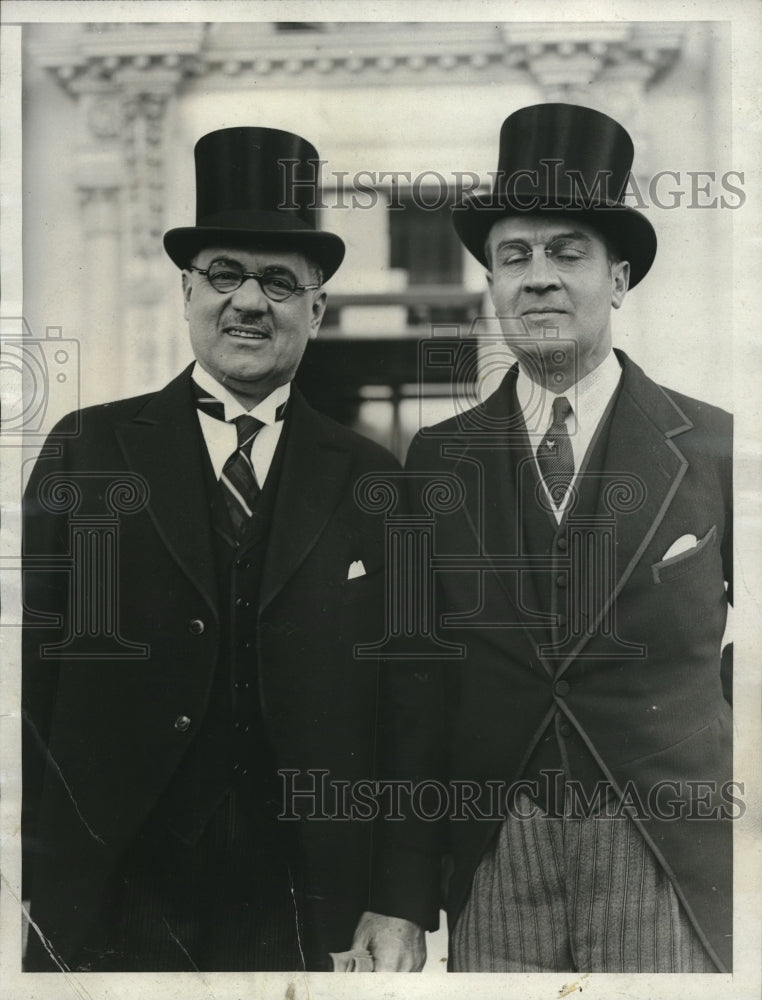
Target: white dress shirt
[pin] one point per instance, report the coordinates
(222, 438)
(588, 399)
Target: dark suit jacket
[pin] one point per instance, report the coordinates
(643, 706)
(102, 737)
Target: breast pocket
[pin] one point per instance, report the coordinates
(685, 562)
(363, 587)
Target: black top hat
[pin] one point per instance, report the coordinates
(256, 185)
(569, 159)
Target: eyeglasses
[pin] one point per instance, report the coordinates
(563, 253)
(277, 283)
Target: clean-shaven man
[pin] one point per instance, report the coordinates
(586, 577)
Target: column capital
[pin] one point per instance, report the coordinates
(566, 59)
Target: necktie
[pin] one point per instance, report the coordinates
(237, 477)
(554, 453)
(239, 484)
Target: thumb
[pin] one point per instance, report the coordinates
(361, 937)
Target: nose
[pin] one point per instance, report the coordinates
(249, 297)
(540, 273)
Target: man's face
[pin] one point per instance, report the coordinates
(555, 273)
(242, 338)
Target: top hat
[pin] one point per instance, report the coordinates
(253, 186)
(562, 158)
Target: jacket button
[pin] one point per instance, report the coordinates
(196, 626)
(561, 688)
(565, 729)
(182, 723)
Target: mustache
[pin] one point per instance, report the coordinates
(249, 321)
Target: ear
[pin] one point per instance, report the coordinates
(319, 303)
(186, 293)
(620, 282)
(491, 286)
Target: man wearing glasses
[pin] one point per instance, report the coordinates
(245, 574)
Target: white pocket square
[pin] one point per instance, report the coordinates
(355, 569)
(682, 544)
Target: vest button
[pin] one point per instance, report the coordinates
(561, 543)
(561, 688)
(196, 626)
(182, 723)
(561, 580)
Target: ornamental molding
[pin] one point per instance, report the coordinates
(559, 59)
(125, 77)
(566, 60)
(89, 57)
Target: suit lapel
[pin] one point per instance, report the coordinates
(496, 444)
(313, 480)
(163, 444)
(642, 446)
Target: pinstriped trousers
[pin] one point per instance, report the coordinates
(563, 894)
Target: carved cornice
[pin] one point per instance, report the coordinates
(123, 76)
(92, 57)
(565, 60)
(560, 58)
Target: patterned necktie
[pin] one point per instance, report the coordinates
(237, 479)
(554, 453)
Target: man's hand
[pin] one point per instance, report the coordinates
(396, 945)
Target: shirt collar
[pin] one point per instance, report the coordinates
(588, 397)
(264, 411)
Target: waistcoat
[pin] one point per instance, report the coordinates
(231, 750)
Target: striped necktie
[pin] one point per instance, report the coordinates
(554, 453)
(237, 478)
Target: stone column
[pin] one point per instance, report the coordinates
(125, 78)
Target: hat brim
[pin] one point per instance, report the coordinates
(325, 249)
(629, 232)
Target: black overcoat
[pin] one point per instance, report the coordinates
(101, 731)
(645, 705)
